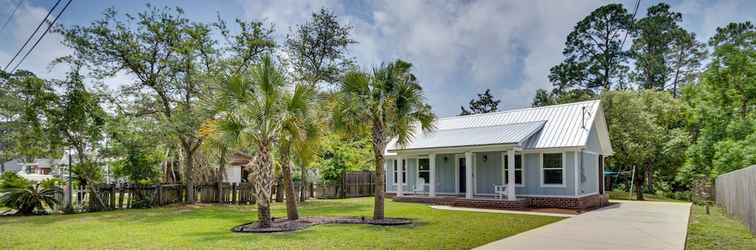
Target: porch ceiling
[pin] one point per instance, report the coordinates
(507, 134)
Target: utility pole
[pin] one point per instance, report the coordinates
(69, 207)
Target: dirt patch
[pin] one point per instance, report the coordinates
(285, 225)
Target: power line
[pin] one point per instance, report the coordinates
(43, 35)
(11, 15)
(32, 35)
(637, 4)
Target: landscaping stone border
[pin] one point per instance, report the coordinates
(285, 225)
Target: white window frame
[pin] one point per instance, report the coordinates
(563, 168)
(403, 172)
(522, 168)
(417, 169)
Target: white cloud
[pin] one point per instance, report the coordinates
(285, 13)
(703, 17)
(26, 19)
(460, 48)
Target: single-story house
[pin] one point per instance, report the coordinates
(557, 152)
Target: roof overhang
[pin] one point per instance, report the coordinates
(479, 138)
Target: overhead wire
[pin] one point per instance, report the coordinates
(42, 36)
(10, 17)
(31, 36)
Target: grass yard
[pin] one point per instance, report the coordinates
(717, 231)
(208, 226)
(620, 195)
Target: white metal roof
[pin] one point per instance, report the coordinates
(515, 133)
(564, 125)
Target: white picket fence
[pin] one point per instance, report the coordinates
(736, 193)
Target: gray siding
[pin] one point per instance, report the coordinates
(389, 164)
(445, 169)
(411, 175)
(593, 143)
(588, 174)
(488, 172)
(533, 177)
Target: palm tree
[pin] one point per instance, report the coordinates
(307, 147)
(30, 198)
(255, 110)
(390, 104)
(296, 122)
(217, 144)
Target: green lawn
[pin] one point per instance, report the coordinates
(620, 195)
(208, 226)
(717, 231)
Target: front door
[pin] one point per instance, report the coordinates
(462, 175)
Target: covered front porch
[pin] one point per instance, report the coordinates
(462, 201)
(490, 173)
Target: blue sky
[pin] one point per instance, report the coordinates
(459, 48)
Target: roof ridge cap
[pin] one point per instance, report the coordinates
(495, 125)
(519, 109)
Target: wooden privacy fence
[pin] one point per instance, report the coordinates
(351, 184)
(121, 196)
(736, 193)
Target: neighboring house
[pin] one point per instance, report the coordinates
(38, 170)
(233, 174)
(12, 166)
(557, 152)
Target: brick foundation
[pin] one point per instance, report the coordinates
(519, 204)
(586, 202)
(581, 203)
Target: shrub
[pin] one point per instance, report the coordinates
(10, 180)
(30, 199)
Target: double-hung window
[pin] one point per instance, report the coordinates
(553, 169)
(423, 170)
(403, 171)
(518, 169)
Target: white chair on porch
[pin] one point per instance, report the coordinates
(420, 185)
(500, 191)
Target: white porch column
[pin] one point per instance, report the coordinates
(504, 176)
(400, 170)
(511, 175)
(469, 175)
(432, 162)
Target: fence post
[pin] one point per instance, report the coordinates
(159, 195)
(120, 196)
(112, 196)
(312, 191)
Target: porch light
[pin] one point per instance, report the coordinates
(485, 158)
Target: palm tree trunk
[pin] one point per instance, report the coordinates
(380, 186)
(291, 199)
(302, 189)
(263, 180)
(279, 188)
(188, 172)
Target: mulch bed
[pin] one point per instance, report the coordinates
(285, 225)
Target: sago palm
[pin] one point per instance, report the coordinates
(389, 102)
(27, 200)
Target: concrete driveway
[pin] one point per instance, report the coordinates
(626, 225)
